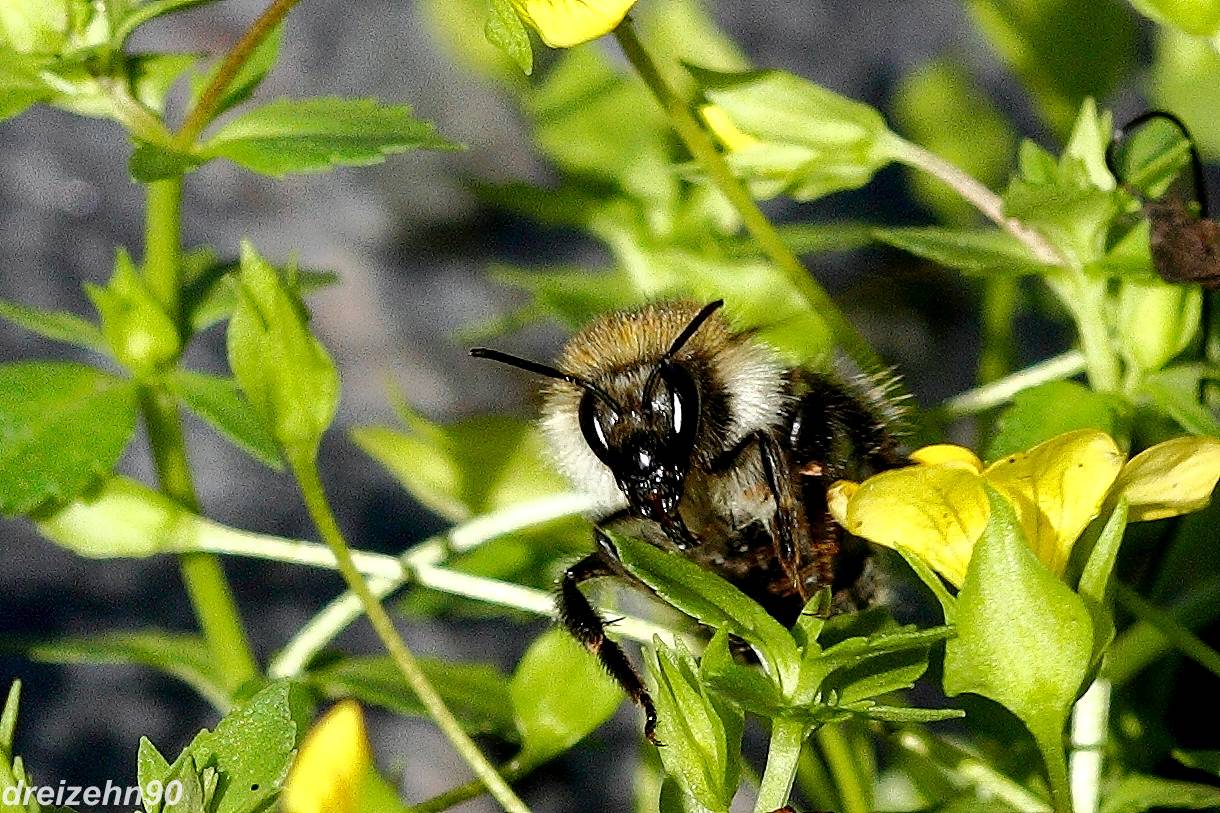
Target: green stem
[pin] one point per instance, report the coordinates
(205, 109)
(473, 789)
(964, 770)
(1000, 392)
(783, 754)
(814, 781)
(1090, 722)
(1050, 744)
(703, 149)
(1186, 642)
(999, 349)
(201, 572)
(837, 751)
(305, 468)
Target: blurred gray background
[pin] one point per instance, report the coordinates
(411, 244)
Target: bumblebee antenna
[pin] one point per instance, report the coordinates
(1196, 162)
(537, 368)
(693, 327)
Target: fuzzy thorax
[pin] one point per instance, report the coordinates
(742, 384)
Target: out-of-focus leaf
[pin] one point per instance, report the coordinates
(1186, 79)
(465, 468)
(62, 427)
(1062, 51)
(1174, 390)
(459, 26)
(1055, 408)
(185, 657)
(1136, 793)
(683, 32)
(20, 84)
(477, 693)
(943, 91)
(1156, 321)
(34, 26)
(314, 135)
(1200, 760)
(553, 715)
(139, 14)
(974, 251)
(248, 78)
(153, 74)
(1200, 18)
(211, 296)
(219, 402)
(713, 601)
(573, 296)
(58, 325)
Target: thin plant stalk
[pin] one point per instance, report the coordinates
(704, 151)
(783, 755)
(306, 471)
(843, 769)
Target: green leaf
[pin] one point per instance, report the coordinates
(212, 295)
(250, 751)
(1174, 390)
(34, 26)
(154, 162)
(313, 135)
(1095, 578)
(185, 657)
(477, 693)
(1052, 409)
(974, 251)
(121, 518)
(947, 601)
(1186, 79)
(20, 83)
(942, 91)
(152, 75)
(146, 12)
(1137, 793)
(505, 30)
(219, 402)
(573, 296)
(1200, 18)
(284, 371)
(1199, 760)
(744, 685)
(150, 767)
(712, 601)
(702, 737)
(62, 426)
(465, 468)
(811, 142)
(553, 715)
(1024, 639)
(140, 333)
(58, 325)
(248, 78)
(1062, 51)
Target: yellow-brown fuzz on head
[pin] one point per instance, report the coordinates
(619, 350)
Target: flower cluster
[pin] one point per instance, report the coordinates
(938, 507)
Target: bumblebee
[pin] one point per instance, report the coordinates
(698, 439)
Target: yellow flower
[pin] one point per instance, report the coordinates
(332, 765)
(564, 23)
(938, 507)
(726, 131)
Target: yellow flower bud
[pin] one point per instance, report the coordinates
(564, 23)
(332, 764)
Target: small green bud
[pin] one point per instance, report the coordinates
(1156, 321)
(121, 519)
(285, 372)
(141, 335)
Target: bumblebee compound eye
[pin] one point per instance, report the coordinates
(596, 418)
(684, 404)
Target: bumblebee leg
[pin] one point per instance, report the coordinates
(582, 621)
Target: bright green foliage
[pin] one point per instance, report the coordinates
(559, 696)
(1198, 17)
(1024, 639)
(140, 334)
(284, 371)
(219, 402)
(701, 732)
(211, 292)
(1064, 51)
(985, 251)
(811, 141)
(313, 135)
(1055, 408)
(57, 325)
(20, 84)
(62, 426)
(1186, 79)
(477, 693)
(505, 30)
(1156, 322)
(241, 764)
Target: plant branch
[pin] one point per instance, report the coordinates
(512, 771)
(852, 792)
(978, 196)
(1090, 720)
(205, 109)
(965, 770)
(1000, 392)
(305, 468)
(703, 149)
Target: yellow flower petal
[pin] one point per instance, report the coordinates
(947, 454)
(564, 23)
(1171, 478)
(936, 512)
(726, 131)
(331, 765)
(1057, 488)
